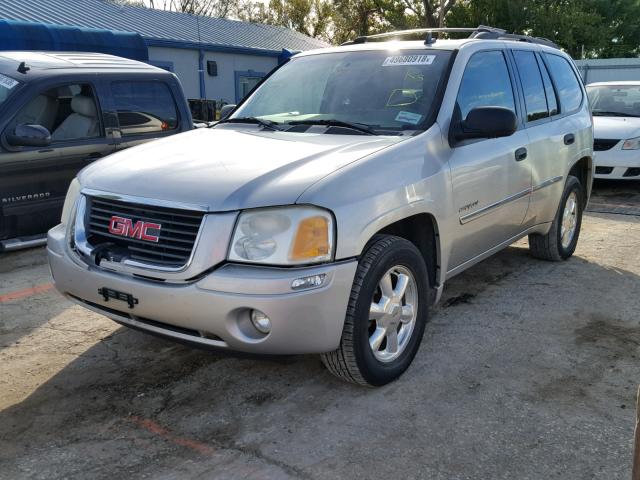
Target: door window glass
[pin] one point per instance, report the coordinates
(69, 112)
(552, 101)
(535, 99)
(485, 83)
(144, 107)
(566, 82)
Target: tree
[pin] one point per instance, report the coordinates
(210, 8)
(599, 28)
(311, 17)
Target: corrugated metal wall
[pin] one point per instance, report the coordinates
(609, 70)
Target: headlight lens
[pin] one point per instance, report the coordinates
(283, 236)
(631, 144)
(70, 201)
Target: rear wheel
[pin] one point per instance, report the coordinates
(561, 240)
(386, 315)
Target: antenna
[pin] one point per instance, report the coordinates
(22, 68)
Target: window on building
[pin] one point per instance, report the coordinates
(245, 82)
(144, 107)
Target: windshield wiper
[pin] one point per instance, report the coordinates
(263, 123)
(602, 113)
(360, 127)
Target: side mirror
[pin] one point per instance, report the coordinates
(226, 111)
(488, 122)
(29, 135)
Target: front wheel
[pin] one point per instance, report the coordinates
(386, 315)
(561, 240)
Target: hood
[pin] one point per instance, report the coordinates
(616, 127)
(226, 168)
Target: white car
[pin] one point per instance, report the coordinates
(616, 129)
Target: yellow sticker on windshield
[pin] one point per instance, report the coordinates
(398, 60)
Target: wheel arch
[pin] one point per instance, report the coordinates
(422, 230)
(582, 169)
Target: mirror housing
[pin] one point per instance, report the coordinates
(29, 135)
(488, 122)
(226, 110)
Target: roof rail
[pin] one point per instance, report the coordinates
(482, 32)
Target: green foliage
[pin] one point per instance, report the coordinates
(600, 28)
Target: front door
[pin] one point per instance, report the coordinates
(491, 181)
(34, 180)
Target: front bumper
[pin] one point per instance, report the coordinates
(617, 164)
(214, 310)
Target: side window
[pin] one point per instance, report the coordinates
(144, 107)
(535, 99)
(564, 78)
(485, 83)
(69, 112)
(552, 101)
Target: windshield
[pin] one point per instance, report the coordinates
(385, 91)
(615, 100)
(7, 85)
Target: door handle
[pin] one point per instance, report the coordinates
(569, 138)
(94, 156)
(521, 154)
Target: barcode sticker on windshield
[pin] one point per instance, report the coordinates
(398, 60)
(7, 82)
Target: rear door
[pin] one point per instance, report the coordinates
(554, 140)
(145, 109)
(34, 180)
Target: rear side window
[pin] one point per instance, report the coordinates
(144, 107)
(567, 85)
(552, 101)
(534, 95)
(485, 83)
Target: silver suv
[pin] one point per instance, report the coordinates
(325, 214)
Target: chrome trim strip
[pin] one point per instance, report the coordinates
(144, 200)
(547, 182)
(480, 212)
(127, 265)
(18, 243)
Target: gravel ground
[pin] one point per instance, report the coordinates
(527, 370)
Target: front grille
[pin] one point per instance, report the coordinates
(601, 144)
(632, 172)
(604, 170)
(175, 241)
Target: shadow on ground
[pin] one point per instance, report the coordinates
(520, 375)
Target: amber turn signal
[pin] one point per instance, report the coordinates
(311, 240)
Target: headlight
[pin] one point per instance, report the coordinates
(70, 201)
(631, 144)
(283, 236)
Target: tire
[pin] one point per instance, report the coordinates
(550, 246)
(354, 360)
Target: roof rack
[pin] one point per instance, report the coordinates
(482, 32)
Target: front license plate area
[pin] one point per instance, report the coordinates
(108, 293)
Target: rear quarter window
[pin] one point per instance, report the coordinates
(144, 107)
(566, 82)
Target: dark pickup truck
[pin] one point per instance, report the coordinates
(61, 111)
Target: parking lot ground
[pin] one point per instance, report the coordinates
(527, 370)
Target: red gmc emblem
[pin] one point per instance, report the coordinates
(124, 227)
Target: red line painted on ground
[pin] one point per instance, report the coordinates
(27, 292)
(156, 429)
